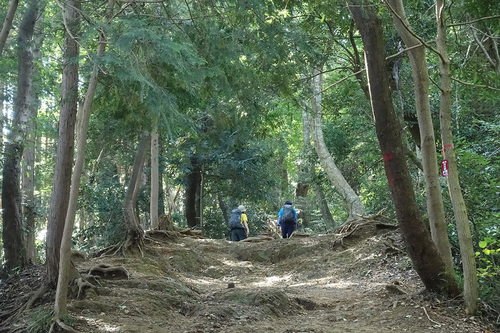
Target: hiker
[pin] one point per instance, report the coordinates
(287, 220)
(238, 222)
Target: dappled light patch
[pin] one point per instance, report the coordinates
(273, 281)
(99, 325)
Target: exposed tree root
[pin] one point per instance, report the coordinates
(59, 324)
(107, 272)
(82, 286)
(14, 315)
(348, 228)
(133, 242)
(160, 236)
(190, 233)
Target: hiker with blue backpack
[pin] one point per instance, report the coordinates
(238, 222)
(287, 220)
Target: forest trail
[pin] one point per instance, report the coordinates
(305, 284)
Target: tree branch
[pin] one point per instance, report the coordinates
(476, 85)
(341, 80)
(474, 21)
(411, 31)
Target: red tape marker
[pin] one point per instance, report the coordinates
(387, 157)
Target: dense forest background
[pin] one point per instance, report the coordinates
(148, 114)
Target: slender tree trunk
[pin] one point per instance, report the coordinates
(162, 194)
(28, 187)
(192, 196)
(2, 112)
(153, 202)
(161, 191)
(14, 247)
(357, 62)
(223, 208)
(65, 146)
(301, 202)
(7, 23)
(134, 231)
(28, 171)
(435, 206)
(457, 201)
(326, 215)
(140, 183)
(426, 258)
(60, 305)
(201, 194)
(350, 199)
(304, 174)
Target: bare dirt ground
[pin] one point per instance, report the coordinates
(305, 284)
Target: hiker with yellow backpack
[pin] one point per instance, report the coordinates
(238, 223)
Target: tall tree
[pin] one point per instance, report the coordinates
(7, 23)
(351, 201)
(28, 164)
(65, 147)
(60, 304)
(457, 200)
(193, 187)
(425, 257)
(435, 205)
(15, 250)
(326, 215)
(153, 201)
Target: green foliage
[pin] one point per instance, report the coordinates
(214, 225)
(488, 259)
(101, 203)
(480, 176)
(40, 319)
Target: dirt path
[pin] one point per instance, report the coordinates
(308, 284)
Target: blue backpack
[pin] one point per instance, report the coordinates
(235, 219)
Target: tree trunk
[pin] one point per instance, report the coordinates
(161, 190)
(134, 231)
(201, 195)
(301, 191)
(28, 183)
(351, 201)
(153, 203)
(192, 196)
(326, 215)
(7, 23)
(15, 250)
(65, 146)
(426, 259)
(435, 206)
(2, 112)
(457, 201)
(65, 266)
(28, 171)
(223, 208)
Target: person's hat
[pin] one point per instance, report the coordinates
(242, 208)
(288, 202)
